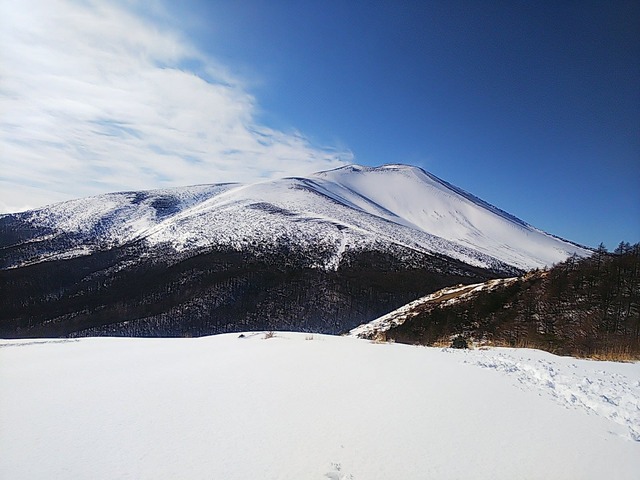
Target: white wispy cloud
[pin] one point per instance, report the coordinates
(96, 98)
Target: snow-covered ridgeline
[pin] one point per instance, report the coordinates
(120, 217)
(348, 208)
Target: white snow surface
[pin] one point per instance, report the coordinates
(352, 207)
(297, 406)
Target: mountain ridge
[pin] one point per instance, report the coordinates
(422, 212)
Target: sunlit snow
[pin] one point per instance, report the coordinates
(300, 406)
(349, 208)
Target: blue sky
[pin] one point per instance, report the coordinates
(532, 106)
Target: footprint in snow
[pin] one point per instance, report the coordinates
(337, 473)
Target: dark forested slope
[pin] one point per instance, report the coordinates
(126, 291)
(583, 306)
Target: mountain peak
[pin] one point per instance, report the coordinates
(353, 206)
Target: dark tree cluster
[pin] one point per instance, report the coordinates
(583, 306)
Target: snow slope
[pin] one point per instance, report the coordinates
(351, 207)
(427, 203)
(301, 407)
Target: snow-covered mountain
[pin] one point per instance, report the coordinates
(323, 253)
(349, 208)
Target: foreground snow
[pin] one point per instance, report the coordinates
(301, 407)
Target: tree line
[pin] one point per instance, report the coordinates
(582, 306)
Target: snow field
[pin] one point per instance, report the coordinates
(309, 407)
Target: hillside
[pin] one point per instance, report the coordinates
(586, 307)
(297, 406)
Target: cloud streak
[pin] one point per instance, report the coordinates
(95, 98)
